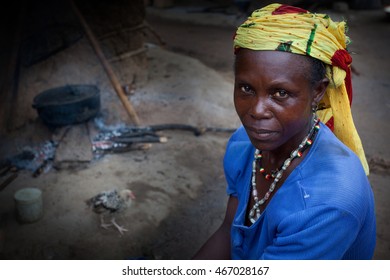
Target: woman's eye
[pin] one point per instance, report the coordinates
(246, 89)
(281, 94)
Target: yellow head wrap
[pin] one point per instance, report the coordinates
(291, 29)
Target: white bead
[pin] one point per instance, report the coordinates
(294, 153)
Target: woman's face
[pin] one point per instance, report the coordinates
(273, 97)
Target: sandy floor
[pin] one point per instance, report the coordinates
(179, 185)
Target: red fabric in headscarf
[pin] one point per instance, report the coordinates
(286, 9)
(342, 59)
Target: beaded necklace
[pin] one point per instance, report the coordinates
(255, 213)
(266, 175)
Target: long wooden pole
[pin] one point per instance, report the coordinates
(107, 67)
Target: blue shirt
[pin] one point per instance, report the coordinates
(324, 209)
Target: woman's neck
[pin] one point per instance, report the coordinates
(274, 159)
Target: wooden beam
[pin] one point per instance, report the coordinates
(107, 67)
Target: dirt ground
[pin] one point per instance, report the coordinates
(180, 186)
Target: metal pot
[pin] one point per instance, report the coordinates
(68, 104)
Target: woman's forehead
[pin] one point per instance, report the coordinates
(271, 62)
(276, 56)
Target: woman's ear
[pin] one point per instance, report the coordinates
(319, 90)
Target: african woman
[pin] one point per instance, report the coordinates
(296, 169)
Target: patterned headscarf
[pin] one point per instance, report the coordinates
(292, 29)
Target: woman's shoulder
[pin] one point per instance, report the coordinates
(332, 161)
(329, 150)
(238, 158)
(239, 145)
(239, 135)
(333, 175)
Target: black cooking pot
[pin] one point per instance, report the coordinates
(68, 104)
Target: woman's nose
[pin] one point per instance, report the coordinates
(261, 109)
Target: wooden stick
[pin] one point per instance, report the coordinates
(159, 39)
(128, 54)
(128, 29)
(4, 170)
(8, 181)
(107, 67)
(196, 130)
(142, 139)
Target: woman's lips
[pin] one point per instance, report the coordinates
(260, 134)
